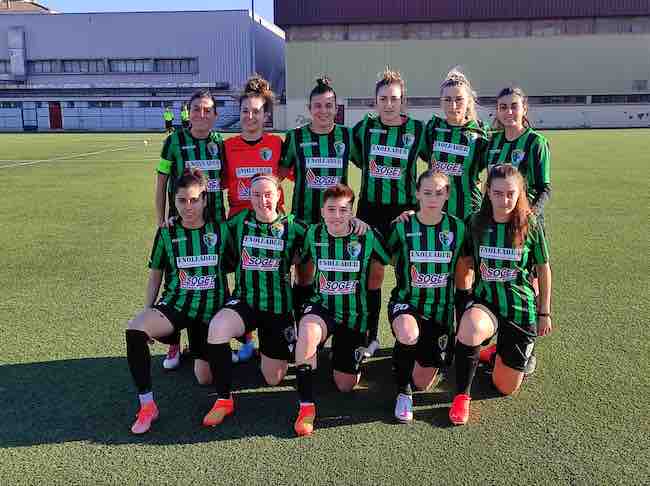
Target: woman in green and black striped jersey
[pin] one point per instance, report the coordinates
(388, 143)
(506, 242)
(426, 248)
(515, 142)
(265, 245)
(456, 145)
(318, 153)
(192, 254)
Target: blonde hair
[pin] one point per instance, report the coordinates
(388, 77)
(456, 78)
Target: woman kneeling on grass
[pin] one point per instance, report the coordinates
(190, 252)
(426, 247)
(265, 244)
(339, 307)
(506, 242)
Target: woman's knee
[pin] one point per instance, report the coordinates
(202, 372)
(406, 330)
(507, 380)
(345, 382)
(475, 327)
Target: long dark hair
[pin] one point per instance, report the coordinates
(518, 226)
(514, 91)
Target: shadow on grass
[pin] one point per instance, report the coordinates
(93, 399)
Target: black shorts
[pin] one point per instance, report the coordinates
(347, 344)
(197, 330)
(514, 343)
(436, 343)
(169, 124)
(276, 332)
(380, 216)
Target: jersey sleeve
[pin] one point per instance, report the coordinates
(166, 157)
(158, 258)
(288, 152)
(300, 232)
(427, 143)
(540, 248)
(357, 142)
(306, 254)
(540, 174)
(379, 251)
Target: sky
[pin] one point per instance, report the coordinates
(262, 7)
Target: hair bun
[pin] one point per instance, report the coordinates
(324, 82)
(257, 84)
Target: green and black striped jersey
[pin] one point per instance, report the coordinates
(320, 162)
(531, 155)
(182, 150)
(265, 252)
(193, 262)
(502, 272)
(425, 259)
(342, 268)
(388, 160)
(459, 152)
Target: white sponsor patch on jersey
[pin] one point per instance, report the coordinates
(384, 171)
(386, 151)
(324, 162)
(498, 274)
(327, 265)
(308, 144)
(451, 148)
(448, 168)
(248, 172)
(263, 242)
(496, 253)
(196, 282)
(430, 256)
(378, 130)
(212, 164)
(337, 287)
(263, 264)
(320, 181)
(428, 280)
(197, 261)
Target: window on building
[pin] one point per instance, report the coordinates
(10, 104)
(105, 104)
(131, 65)
(83, 66)
(49, 66)
(150, 104)
(180, 66)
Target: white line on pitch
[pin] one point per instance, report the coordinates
(66, 157)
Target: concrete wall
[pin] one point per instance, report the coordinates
(294, 114)
(542, 66)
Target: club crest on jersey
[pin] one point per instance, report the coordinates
(244, 191)
(428, 280)
(213, 149)
(266, 154)
(277, 230)
(384, 171)
(336, 287)
(517, 157)
(446, 237)
(290, 334)
(408, 139)
(354, 249)
(339, 147)
(263, 264)
(443, 341)
(210, 240)
(196, 282)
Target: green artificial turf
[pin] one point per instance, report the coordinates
(75, 239)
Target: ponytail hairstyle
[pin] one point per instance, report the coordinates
(389, 77)
(456, 78)
(258, 87)
(323, 85)
(518, 226)
(512, 90)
